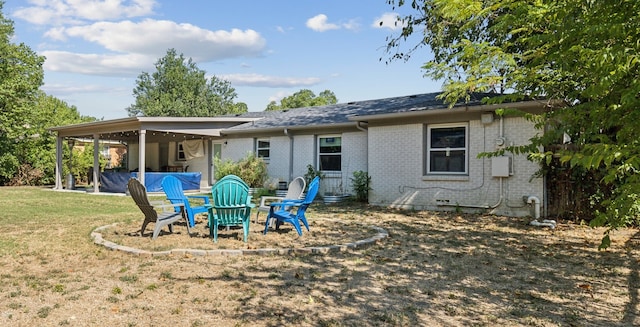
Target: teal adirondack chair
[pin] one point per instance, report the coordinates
(172, 187)
(231, 205)
(293, 212)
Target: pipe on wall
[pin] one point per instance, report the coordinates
(286, 132)
(476, 205)
(536, 205)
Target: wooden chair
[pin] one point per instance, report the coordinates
(149, 209)
(231, 205)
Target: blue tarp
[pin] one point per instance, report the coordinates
(116, 182)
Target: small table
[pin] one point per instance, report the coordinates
(175, 169)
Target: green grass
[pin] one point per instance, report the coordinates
(32, 216)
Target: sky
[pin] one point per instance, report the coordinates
(95, 50)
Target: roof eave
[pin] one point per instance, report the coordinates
(135, 120)
(459, 108)
(288, 128)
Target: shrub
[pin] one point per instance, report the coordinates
(251, 169)
(311, 174)
(361, 182)
(225, 167)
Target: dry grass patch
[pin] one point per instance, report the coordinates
(435, 269)
(325, 230)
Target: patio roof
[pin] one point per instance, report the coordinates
(127, 129)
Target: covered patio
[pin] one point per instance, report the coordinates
(142, 131)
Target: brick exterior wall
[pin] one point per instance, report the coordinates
(396, 166)
(354, 157)
(278, 163)
(236, 149)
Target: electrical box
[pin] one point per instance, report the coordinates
(500, 166)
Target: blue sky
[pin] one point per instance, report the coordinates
(95, 50)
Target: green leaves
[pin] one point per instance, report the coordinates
(178, 88)
(586, 55)
(304, 98)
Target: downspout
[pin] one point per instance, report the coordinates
(286, 132)
(364, 129)
(536, 205)
(536, 209)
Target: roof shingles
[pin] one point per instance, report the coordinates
(340, 113)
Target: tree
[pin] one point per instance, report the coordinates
(179, 88)
(20, 77)
(304, 98)
(27, 148)
(583, 54)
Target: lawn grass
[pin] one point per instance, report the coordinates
(435, 269)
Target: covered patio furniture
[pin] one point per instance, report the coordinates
(297, 211)
(172, 187)
(164, 218)
(294, 192)
(231, 205)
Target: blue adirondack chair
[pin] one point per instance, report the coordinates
(296, 209)
(172, 187)
(231, 205)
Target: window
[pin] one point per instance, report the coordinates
(263, 148)
(180, 152)
(447, 149)
(330, 153)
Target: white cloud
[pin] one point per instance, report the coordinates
(153, 38)
(388, 20)
(351, 25)
(279, 96)
(97, 64)
(56, 12)
(319, 23)
(269, 81)
(65, 89)
(136, 47)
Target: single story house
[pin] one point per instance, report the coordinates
(420, 153)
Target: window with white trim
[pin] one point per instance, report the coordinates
(330, 153)
(447, 149)
(263, 148)
(180, 156)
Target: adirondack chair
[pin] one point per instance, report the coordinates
(231, 205)
(294, 216)
(172, 187)
(294, 192)
(149, 209)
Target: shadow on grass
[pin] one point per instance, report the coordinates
(445, 269)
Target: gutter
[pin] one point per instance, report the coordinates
(286, 132)
(465, 108)
(278, 129)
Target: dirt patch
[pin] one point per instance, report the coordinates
(324, 232)
(435, 269)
